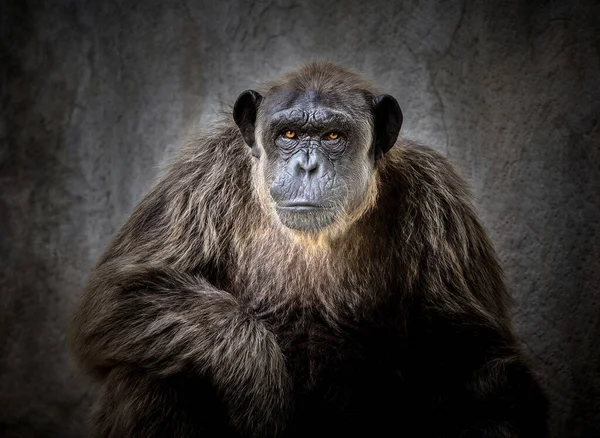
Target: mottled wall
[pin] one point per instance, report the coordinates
(96, 94)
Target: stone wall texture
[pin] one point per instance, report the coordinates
(96, 95)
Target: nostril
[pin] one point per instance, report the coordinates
(299, 168)
(311, 166)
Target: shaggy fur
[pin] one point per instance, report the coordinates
(206, 317)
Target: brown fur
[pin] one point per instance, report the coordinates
(202, 281)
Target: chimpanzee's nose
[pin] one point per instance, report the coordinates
(305, 164)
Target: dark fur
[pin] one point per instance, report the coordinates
(204, 318)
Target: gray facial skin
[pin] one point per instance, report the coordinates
(320, 170)
(319, 148)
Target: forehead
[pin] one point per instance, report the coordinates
(287, 100)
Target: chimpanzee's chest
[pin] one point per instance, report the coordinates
(313, 347)
(340, 338)
(336, 367)
(345, 376)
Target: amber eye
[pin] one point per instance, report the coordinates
(333, 136)
(289, 134)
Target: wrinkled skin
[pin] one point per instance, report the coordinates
(323, 169)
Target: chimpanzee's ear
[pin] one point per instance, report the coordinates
(244, 115)
(388, 120)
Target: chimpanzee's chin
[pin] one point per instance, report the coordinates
(308, 220)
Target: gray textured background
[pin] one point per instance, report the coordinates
(95, 96)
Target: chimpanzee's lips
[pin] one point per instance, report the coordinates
(299, 206)
(305, 216)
